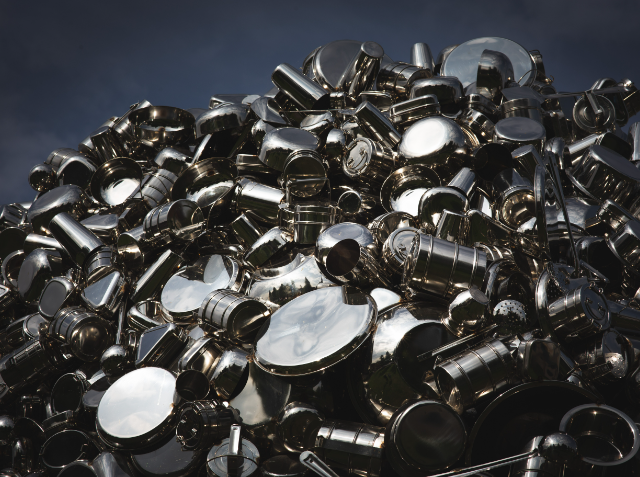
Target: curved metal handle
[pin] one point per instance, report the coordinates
(313, 462)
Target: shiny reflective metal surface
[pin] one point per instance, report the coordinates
(463, 267)
(404, 187)
(350, 311)
(162, 126)
(602, 174)
(586, 424)
(462, 61)
(435, 142)
(184, 292)
(138, 409)
(116, 181)
(448, 248)
(409, 452)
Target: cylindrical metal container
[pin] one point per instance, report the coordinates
(235, 316)
(368, 161)
(310, 220)
(77, 240)
(399, 77)
(306, 94)
(376, 125)
(580, 314)
(204, 423)
(522, 107)
(261, 200)
(87, 335)
(475, 375)
(179, 219)
(156, 187)
(442, 269)
(353, 447)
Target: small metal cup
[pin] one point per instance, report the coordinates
(211, 421)
(106, 144)
(516, 201)
(350, 262)
(581, 314)
(246, 230)
(466, 313)
(305, 93)
(86, 334)
(396, 248)
(368, 161)
(478, 123)
(30, 362)
(59, 292)
(361, 72)
(442, 269)
(522, 107)
(84, 248)
(454, 227)
(105, 295)
(310, 220)
(447, 89)
(234, 456)
(162, 126)
(234, 316)
(603, 174)
(405, 113)
(116, 181)
(435, 201)
(601, 449)
(475, 375)
(376, 125)
(304, 174)
(156, 187)
(267, 246)
(152, 281)
(422, 57)
(495, 71)
(160, 346)
(352, 447)
(180, 219)
(278, 145)
(260, 199)
(398, 78)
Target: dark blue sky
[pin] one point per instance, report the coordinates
(67, 66)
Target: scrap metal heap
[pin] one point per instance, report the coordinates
(375, 268)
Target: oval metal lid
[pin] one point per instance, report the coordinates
(315, 331)
(463, 60)
(184, 292)
(519, 129)
(138, 408)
